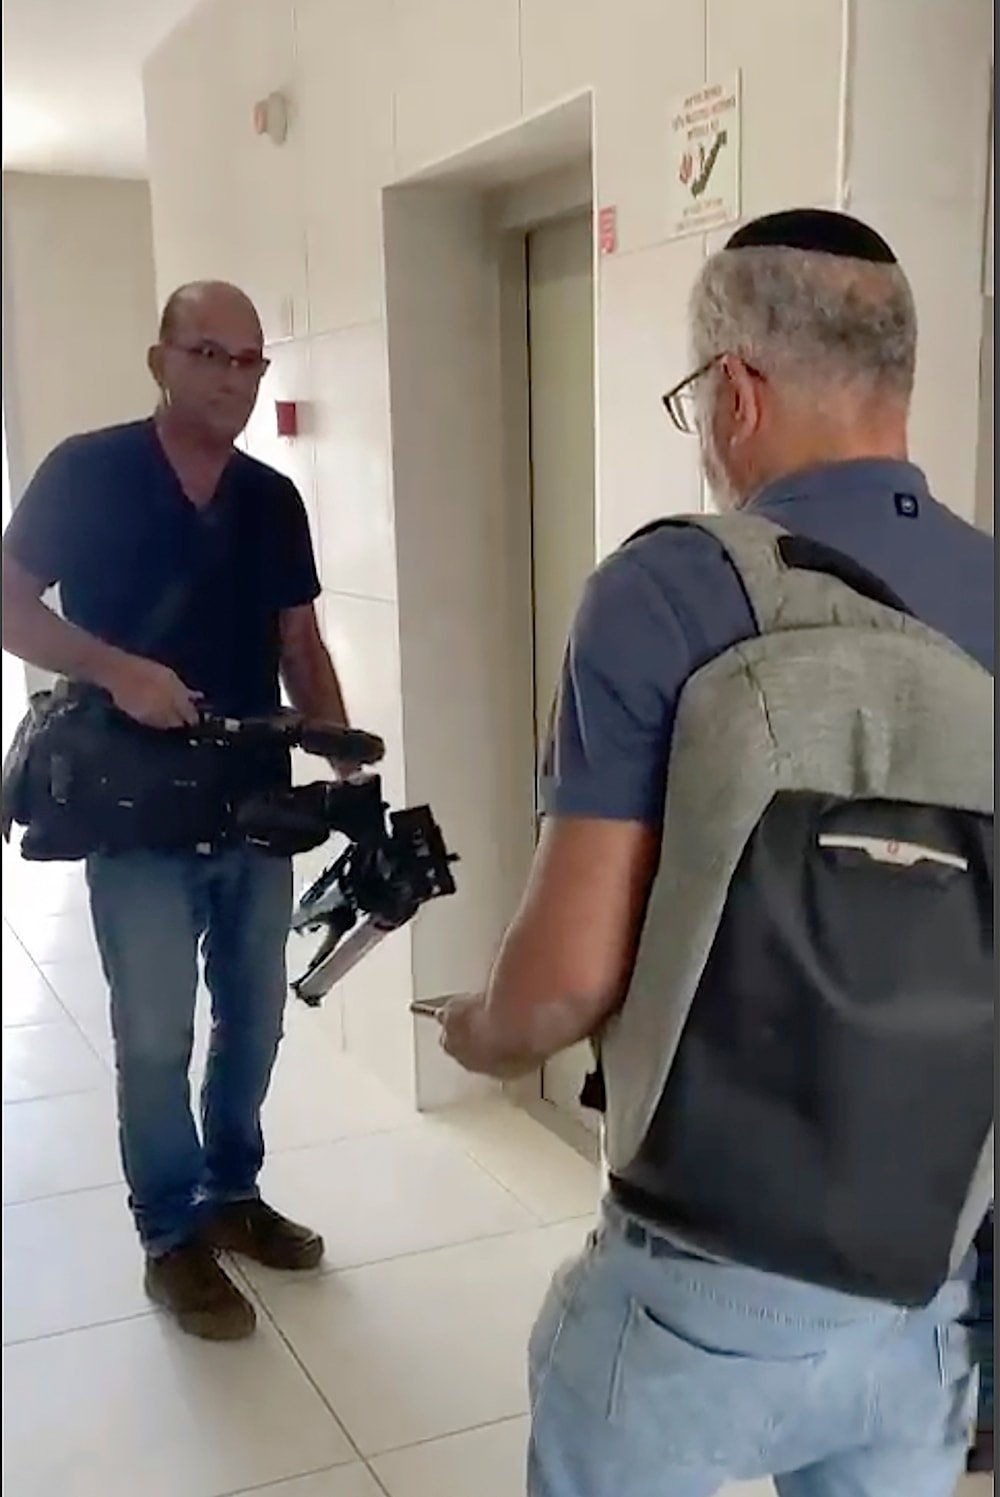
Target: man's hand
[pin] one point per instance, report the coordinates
(566, 961)
(463, 1032)
(151, 693)
(144, 690)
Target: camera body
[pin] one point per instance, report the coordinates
(394, 862)
(82, 778)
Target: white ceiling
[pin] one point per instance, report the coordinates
(72, 82)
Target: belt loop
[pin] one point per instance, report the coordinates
(636, 1235)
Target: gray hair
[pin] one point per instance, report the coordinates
(815, 317)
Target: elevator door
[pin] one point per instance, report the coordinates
(561, 372)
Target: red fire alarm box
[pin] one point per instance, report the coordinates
(287, 416)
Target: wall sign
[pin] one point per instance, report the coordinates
(607, 230)
(703, 181)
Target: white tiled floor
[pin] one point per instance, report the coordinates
(397, 1371)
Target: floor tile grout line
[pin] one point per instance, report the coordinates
(491, 1175)
(343, 1138)
(62, 1195)
(537, 1218)
(280, 1152)
(255, 1290)
(10, 1025)
(40, 965)
(294, 1354)
(319, 1275)
(497, 1179)
(416, 1128)
(259, 1288)
(79, 1330)
(80, 1091)
(365, 1460)
(118, 1182)
(283, 1481)
(534, 1220)
(380, 1484)
(452, 1434)
(71, 1017)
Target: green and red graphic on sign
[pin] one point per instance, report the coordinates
(704, 182)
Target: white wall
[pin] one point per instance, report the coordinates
(380, 89)
(14, 683)
(80, 309)
(919, 100)
(79, 312)
(986, 467)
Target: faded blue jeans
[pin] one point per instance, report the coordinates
(670, 1376)
(152, 913)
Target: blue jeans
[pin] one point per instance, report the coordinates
(981, 1324)
(669, 1376)
(151, 913)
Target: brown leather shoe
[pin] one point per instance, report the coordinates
(259, 1232)
(204, 1301)
(980, 1459)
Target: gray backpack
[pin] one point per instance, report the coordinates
(801, 1077)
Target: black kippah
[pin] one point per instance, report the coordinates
(814, 229)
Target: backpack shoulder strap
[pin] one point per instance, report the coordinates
(789, 580)
(751, 544)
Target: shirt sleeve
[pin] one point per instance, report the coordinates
(627, 661)
(46, 530)
(297, 580)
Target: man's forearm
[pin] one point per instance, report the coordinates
(517, 1025)
(314, 688)
(567, 960)
(37, 635)
(518, 1040)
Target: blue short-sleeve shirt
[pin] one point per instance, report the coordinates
(106, 518)
(667, 603)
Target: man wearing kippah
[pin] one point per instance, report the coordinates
(660, 1368)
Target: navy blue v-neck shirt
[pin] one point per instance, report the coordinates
(669, 602)
(106, 519)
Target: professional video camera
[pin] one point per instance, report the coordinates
(393, 863)
(82, 778)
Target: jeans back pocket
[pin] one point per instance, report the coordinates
(695, 1404)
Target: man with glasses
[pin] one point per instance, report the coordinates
(166, 515)
(804, 345)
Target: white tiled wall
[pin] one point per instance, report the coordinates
(379, 88)
(344, 140)
(918, 166)
(350, 429)
(226, 202)
(789, 56)
(79, 310)
(645, 469)
(289, 378)
(363, 634)
(919, 87)
(457, 75)
(648, 55)
(560, 48)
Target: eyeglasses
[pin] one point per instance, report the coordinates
(213, 356)
(681, 403)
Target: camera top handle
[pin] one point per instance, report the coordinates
(343, 746)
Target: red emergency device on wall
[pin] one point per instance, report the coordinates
(287, 416)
